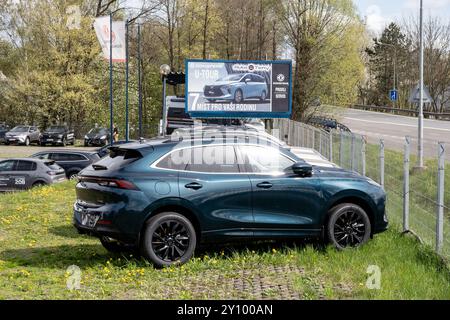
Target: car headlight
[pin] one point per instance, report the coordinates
(86, 137)
(60, 135)
(102, 137)
(374, 183)
(227, 88)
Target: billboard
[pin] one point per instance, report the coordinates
(238, 89)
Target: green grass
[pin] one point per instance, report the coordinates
(38, 244)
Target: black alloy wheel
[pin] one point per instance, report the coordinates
(238, 96)
(169, 239)
(348, 226)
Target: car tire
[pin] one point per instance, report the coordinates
(72, 175)
(169, 238)
(115, 246)
(38, 184)
(238, 96)
(263, 96)
(348, 226)
(6, 143)
(27, 141)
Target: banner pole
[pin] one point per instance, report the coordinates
(126, 82)
(110, 81)
(140, 81)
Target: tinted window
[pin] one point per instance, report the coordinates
(172, 161)
(67, 157)
(262, 159)
(117, 159)
(7, 165)
(213, 159)
(25, 166)
(52, 165)
(42, 156)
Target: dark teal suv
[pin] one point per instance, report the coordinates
(165, 197)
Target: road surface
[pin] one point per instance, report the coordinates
(394, 128)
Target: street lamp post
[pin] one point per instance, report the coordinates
(395, 63)
(164, 71)
(420, 133)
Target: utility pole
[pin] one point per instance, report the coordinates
(139, 81)
(127, 134)
(110, 82)
(420, 133)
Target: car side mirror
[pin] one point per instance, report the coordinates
(247, 80)
(302, 169)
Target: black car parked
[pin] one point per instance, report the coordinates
(97, 137)
(58, 135)
(73, 161)
(3, 130)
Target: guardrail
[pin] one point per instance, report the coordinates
(405, 112)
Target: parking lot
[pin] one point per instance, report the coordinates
(23, 151)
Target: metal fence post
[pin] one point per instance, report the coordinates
(330, 146)
(406, 184)
(320, 142)
(440, 198)
(382, 163)
(352, 152)
(314, 139)
(341, 148)
(363, 156)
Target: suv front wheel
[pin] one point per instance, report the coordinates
(169, 238)
(348, 226)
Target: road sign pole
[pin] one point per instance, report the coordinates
(127, 134)
(420, 133)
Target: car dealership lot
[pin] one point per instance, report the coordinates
(23, 151)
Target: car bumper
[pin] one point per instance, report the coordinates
(15, 139)
(51, 140)
(97, 222)
(221, 97)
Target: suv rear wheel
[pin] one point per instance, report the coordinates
(169, 238)
(348, 226)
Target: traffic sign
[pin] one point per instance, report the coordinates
(415, 95)
(393, 94)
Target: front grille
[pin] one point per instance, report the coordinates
(212, 91)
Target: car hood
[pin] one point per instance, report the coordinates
(16, 133)
(337, 172)
(96, 135)
(222, 83)
(53, 132)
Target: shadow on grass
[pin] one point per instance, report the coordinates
(67, 231)
(91, 255)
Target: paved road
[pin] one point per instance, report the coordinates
(394, 128)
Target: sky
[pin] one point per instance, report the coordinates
(380, 13)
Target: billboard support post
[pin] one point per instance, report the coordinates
(127, 134)
(110, 82)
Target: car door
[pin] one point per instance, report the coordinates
(34, 134)
(6, 169)
(282, 202)
(213, 184)
(22, 176)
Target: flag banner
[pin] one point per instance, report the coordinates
(101, 26)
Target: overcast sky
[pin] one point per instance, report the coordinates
(379, 13)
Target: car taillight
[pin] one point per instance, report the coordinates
(52, 173)
(113, 183)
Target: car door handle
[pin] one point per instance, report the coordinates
(193, 185)
(264, 185)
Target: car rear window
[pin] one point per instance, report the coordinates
(52, 165)
(117, 158)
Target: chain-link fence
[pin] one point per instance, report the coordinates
(417, 200)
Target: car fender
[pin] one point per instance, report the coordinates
(350, 193)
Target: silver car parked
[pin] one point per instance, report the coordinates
(23, 135)
(24, 173)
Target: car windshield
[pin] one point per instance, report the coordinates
(56, 129)
(97, 130)
(232, 77)
(20, 129)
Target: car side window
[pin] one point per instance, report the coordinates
(260, 159)
(7, 165)
(25, 166)
(217, 159)
(172, 161)
(43, 156)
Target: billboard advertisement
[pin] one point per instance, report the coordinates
(238, 89)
